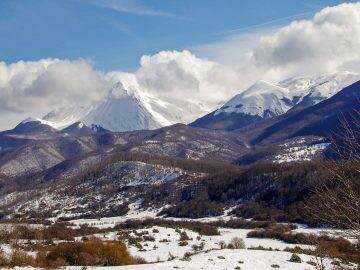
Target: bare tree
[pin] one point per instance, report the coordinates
(337, 198)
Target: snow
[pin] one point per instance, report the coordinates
(275, 98)
(134, 213)
(219, 260)
(63, 117)
(300, 152)
(257, 99)
(321, 87)
(211, 243)
(131, 108)
(212, 257)
(34, 119)
(157, 252)
(229, 259)
(124, 110)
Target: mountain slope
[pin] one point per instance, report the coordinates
(77, 129)
(323, 119)
(35, 155)
(125, 110)
(265, 100)
(261, 101)
(28, 130)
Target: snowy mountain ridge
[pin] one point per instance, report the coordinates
(131, 108)
(268, 99)
(260, 99)
(124, 110)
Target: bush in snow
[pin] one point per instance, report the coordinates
(222, 244)
(236, 243)
(92, 252)
(198, 247)
(295, 258)
(184, 236)
(149, 238)
(183, 243)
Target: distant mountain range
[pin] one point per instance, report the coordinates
(126, 110)
(265, 100)
(34, 145)
(79, 164)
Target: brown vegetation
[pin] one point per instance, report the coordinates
(199, 227)
(89, 253)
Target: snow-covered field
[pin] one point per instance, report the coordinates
(165, 253)
(227, 259)
(160, 248)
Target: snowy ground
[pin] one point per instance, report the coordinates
(110, 222)
(225, 259)
(212, 257)
(164, 252)
(211, 242)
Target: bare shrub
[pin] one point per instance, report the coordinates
(222, 244)
(198, 247)
(236, 243)
(184, 236)
(295, 258)
(92, 252)
(16, 258)
(183, 243)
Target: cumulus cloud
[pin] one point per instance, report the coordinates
(326, 43)
(182, 75)
(50, 82)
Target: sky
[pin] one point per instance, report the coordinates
(57, 53)
(114, 34)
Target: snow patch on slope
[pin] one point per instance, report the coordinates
(300, 152)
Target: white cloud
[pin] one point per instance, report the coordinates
(327, 42)
(182, 75)
(25, 86)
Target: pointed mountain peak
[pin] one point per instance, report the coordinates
(77, 129)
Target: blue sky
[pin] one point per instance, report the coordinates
(114, 34)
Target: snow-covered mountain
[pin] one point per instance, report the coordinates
(264, 100)
(124, 110)
(267, 99)
(130, 108)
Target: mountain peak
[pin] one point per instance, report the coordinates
(77, 129)
(33, 125)
(126, 110)
(265, 99)
(31, 119)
